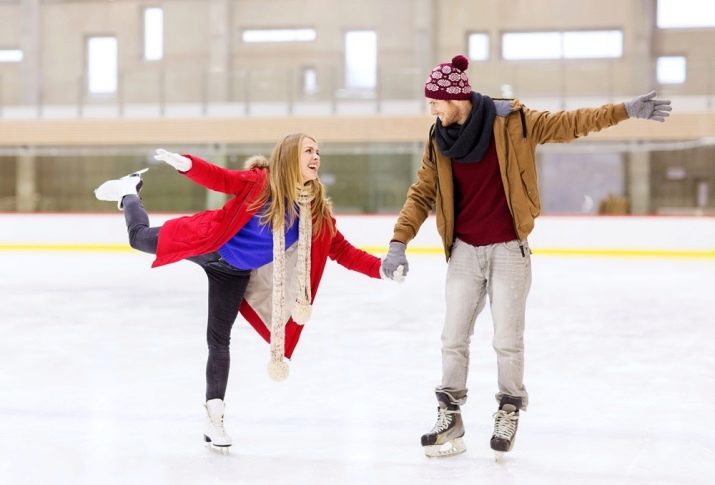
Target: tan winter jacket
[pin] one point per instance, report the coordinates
(517, 131)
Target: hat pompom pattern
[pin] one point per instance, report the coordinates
(449, 81)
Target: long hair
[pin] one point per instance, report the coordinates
(284, 181)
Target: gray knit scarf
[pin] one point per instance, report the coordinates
(469, 142)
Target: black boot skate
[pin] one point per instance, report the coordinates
(445, 439)
(506, 421)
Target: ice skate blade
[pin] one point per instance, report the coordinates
(450, 448)
(138, 173)
(499, 454)
(221, 449)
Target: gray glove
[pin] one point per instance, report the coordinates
(647, 107)
(395, 259)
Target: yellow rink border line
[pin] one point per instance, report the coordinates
(65, 248)
(589, 252)
(430, 250)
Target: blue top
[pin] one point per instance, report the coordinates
(252, 246)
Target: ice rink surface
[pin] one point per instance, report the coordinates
(103, 361)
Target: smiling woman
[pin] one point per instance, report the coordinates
(263, 253)
(309, 159)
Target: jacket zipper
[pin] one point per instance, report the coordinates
(433, 159)
(506, 146)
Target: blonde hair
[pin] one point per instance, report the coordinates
(284, 181)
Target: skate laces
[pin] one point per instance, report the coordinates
(444, 419)
(217, 423)
(505, 424)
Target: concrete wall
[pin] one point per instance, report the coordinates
(205, 56)
(529, 78)
(207, 62)
(10, 38)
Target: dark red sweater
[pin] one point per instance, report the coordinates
(481, 212)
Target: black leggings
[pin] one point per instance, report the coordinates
(226, 288)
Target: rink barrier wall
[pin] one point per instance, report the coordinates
(579, 236)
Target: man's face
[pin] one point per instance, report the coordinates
(445, 110)
(309, 159)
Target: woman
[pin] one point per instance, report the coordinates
(263, 253)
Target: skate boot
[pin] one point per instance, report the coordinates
(214, 432)
(445, 439)
(115, 190)
(506, 421)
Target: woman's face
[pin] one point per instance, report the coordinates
(309, 159)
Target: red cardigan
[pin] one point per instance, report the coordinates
(207, 231)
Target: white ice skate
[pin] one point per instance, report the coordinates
(115, 190)
(214, 432)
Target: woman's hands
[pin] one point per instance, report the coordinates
(179, 162)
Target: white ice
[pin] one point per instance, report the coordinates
(102, 378)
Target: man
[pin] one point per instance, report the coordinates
(479, 172)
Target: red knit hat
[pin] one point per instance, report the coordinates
(448, 81)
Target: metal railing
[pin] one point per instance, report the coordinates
(159, 91)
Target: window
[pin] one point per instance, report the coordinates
(673, 14)
(360, 60)
(671, 69)
(279, 35)
(10, 55)
(310, 81)
(478, 47)
(531, 45)
(153, 34)
(102, 65)
(594, 44)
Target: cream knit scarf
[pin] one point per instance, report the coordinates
(300, 310)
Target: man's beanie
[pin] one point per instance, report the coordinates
(448, 81)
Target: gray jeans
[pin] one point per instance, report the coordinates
(501, 272)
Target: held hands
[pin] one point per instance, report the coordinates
(394, 265)
(398, 275)
(179, 162)
(647, 107)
